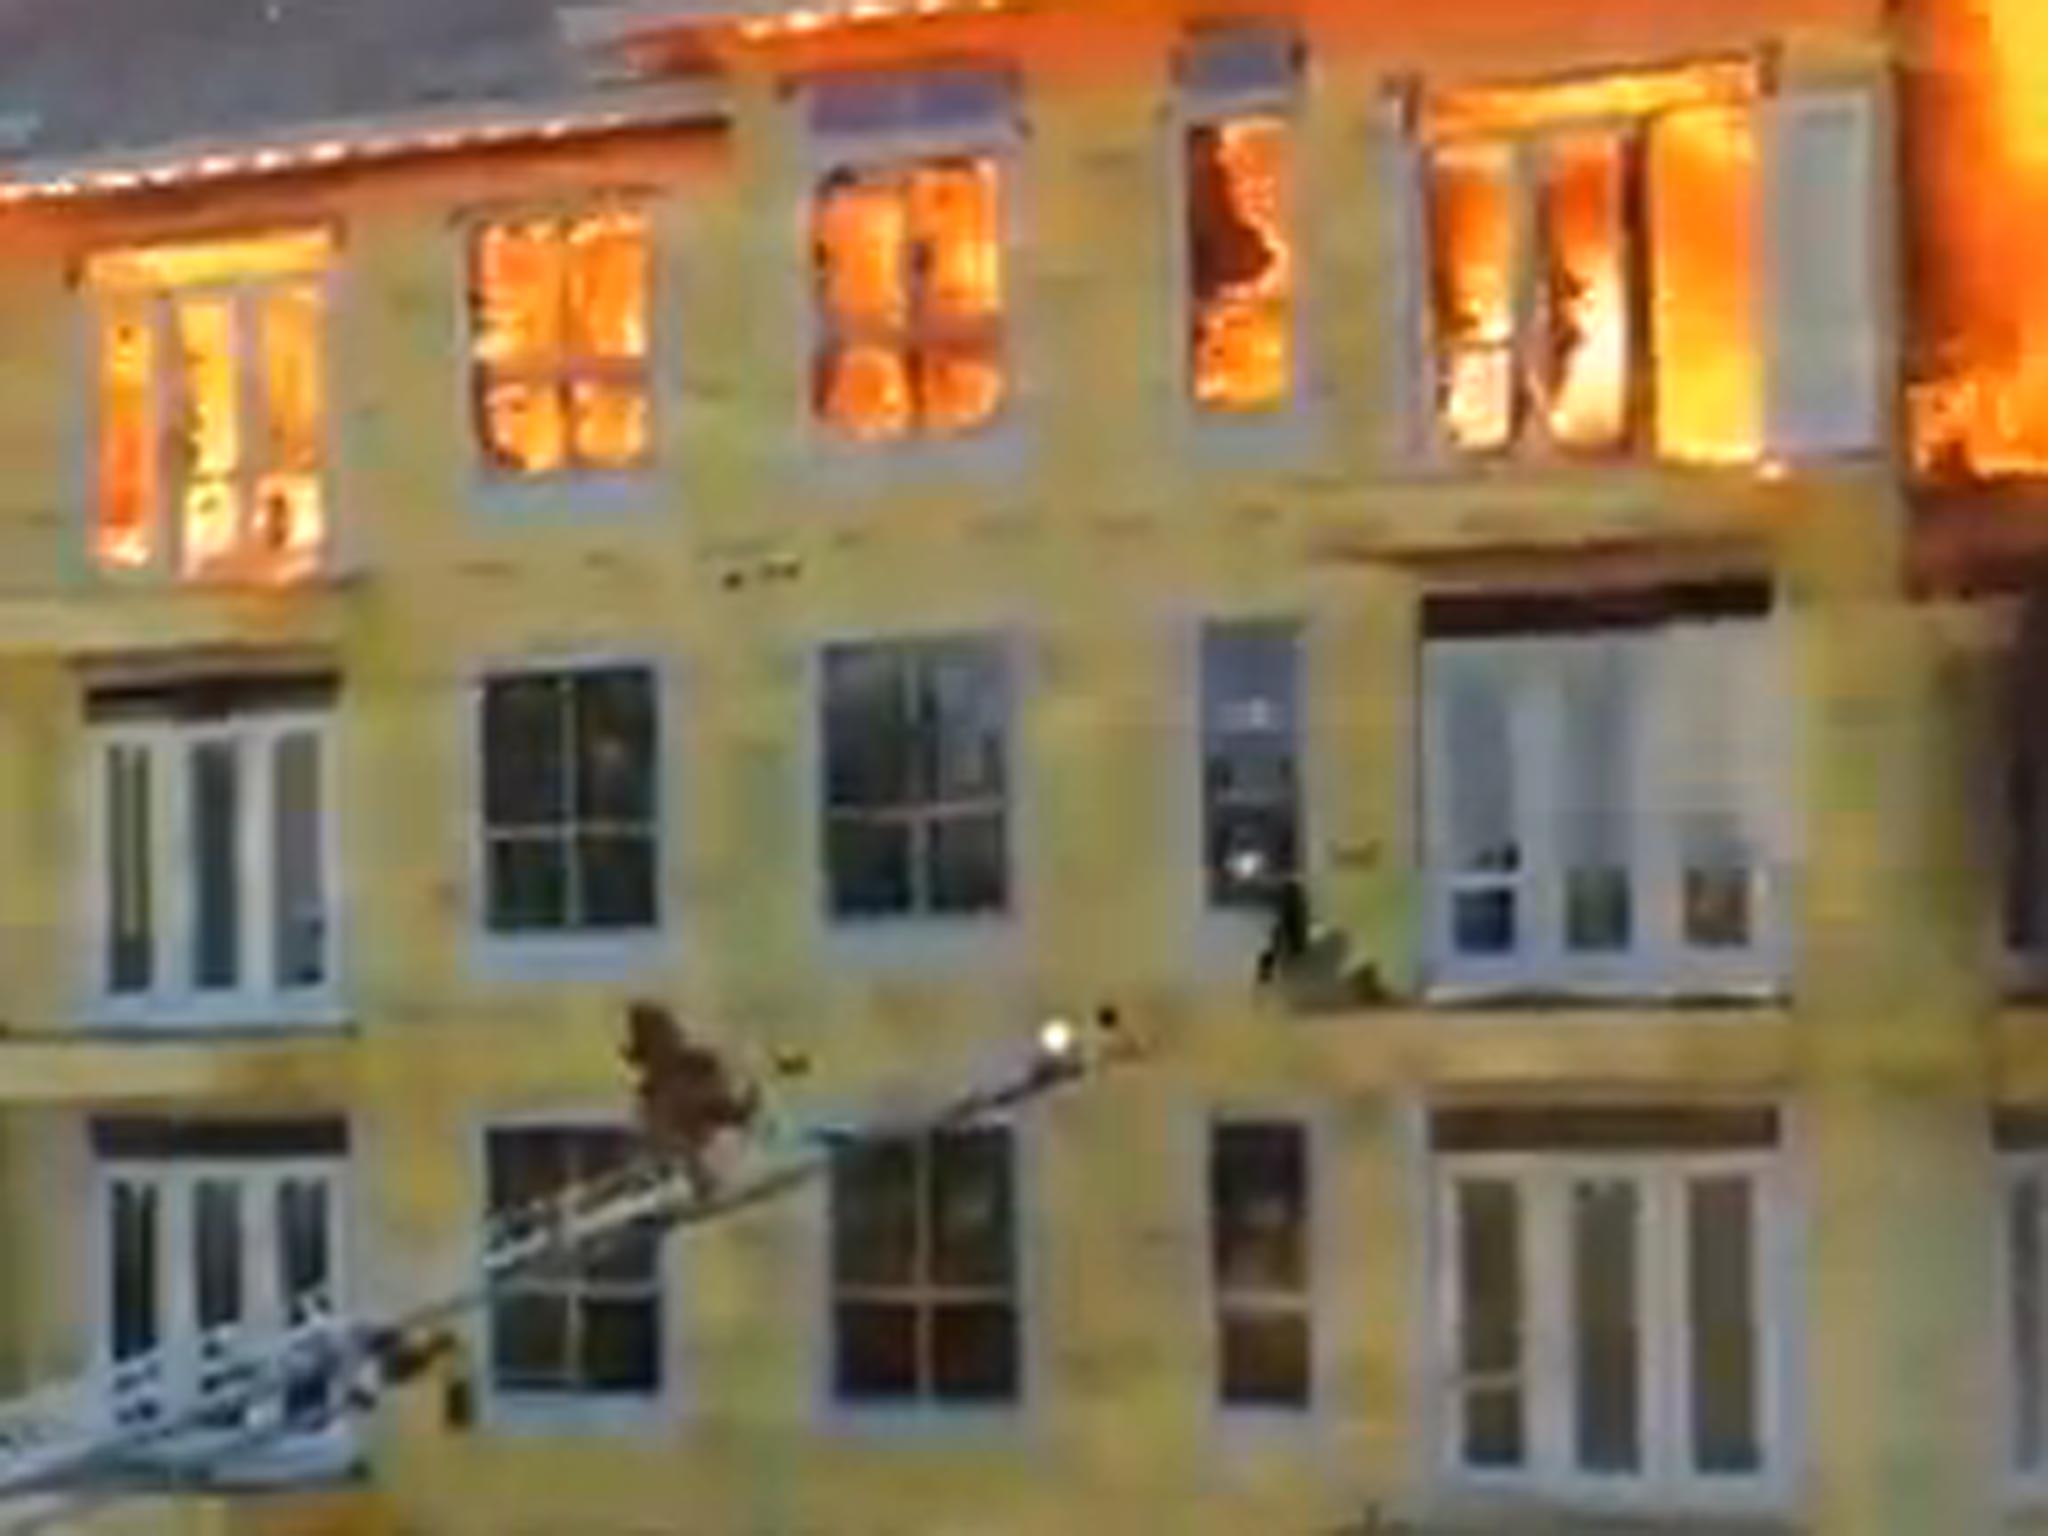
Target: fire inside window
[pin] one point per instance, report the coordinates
(1240, 263)
(559, 342)
(908, 265)
(1593, 272)
(211, 406)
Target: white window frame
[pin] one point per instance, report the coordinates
(1303, 1302)
(573, 1410)
(2024, 1468)
(998, 139)
(166, 519)
(325, 1450)
(1197, 105)
(1658, 960)
(1542, 1182)
(174, 998)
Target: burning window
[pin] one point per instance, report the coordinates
(909, 273)
(1240, 262)
(559, 342)
(211, 382)
(1592, 270)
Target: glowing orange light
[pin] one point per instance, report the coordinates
(1472, 238)
(1586, 370)
(127, 482)
(1241, 262)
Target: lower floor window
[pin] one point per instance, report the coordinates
(1613, 1316)
(585, 1323)
(222, 1246)
(924, 1278)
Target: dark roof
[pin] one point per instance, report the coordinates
(82, 77)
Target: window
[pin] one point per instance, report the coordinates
(558, 342)
(212, 406)
(1606, 787)
(1616, 1312)
(1251, 793)
(1238, 155)
(908, 253)
(1259, 1247)
(570, 802)
(215, 877)
(220, 1240)
(587, 1324)
(924, 1270)
(1593, 265)
(916, 784)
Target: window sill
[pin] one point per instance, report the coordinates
(1539, 1509)
(916, 941)
(1537, 995)
(997, 451)
(568, 497)
(258, 1017)
(922, 1418)
(326, 1455)
(570, 957)
(576, 1413)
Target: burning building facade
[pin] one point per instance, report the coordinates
(877, 524)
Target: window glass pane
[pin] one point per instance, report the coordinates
(1240, 262)
(128, 439)
(615, 745)
(1489, 1244)
(1599, 735)
(523, 1167)
(522, 424)
(217, 1252)
(216, 866)
(131, 926)
(954, 218)
(1704, 265)
(1605, 1325)
(958, 382)
(1251, 821)
(303, 1260)
(530, 1342)
(516, 295)
(608, 422)
(970, 1214)
(133, 1243)
(1264, 1359)
(1472, 274)
(1585, 367)
(617, 881)
(2023, 1232)
(289, 317)
(528, 879)
(1258, 1192)
(1717, 843)
(874, 1350)
(968, 869)
(874, 1214)
(209, 438)
(862, 236)
(1721, 1265)
(974, 1352)
(1479, 763)
(525, 771)
(608, 266)
(961, 709)
(300, 932)
(868, 865)
(621, 1346)
(869, 740)
(862, 388)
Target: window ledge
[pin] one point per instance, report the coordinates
(576, 1413)
(570, 957)
(1540, 1510)
(570, 496)
(923, 1418)
(1731, 998)
(919, 941)
(213, 1020)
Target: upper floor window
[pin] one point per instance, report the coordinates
(1594, 264)
(570, 801)
(924, 1270)
(908, 257)
(215, 884)
(212, 406)
(590, 1323)
(916, 782)
(1259, 1242)
(1608, 786)
(1617, 1322)
(1251, 777)
(1238, 152)
(558, 341)
(223, 1240)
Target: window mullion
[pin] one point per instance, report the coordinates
(1662, 701)
(255, 780)
(1527, 252)
(1664, 1317)
(1548, 1348)
(572, 864)
(924, 1162)
(1537, 744)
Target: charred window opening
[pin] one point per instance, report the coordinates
(1240, 262)
(1592, 273)
(558, 342)
(211, 406)
(909, 273)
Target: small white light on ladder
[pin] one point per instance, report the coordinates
(1057, 1040)
(1247, 865)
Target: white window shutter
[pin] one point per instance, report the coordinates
(1822, 316)
(1596, 814)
